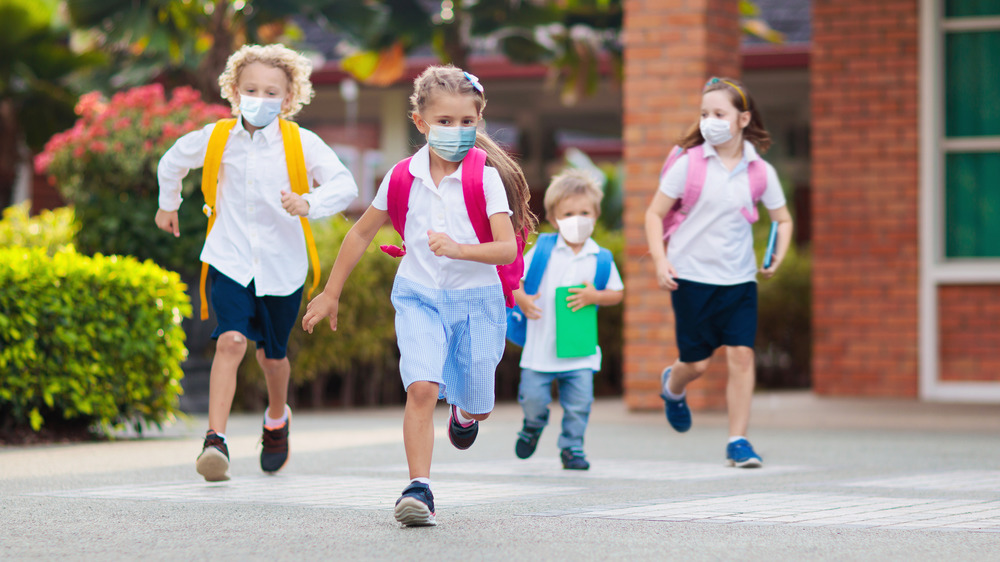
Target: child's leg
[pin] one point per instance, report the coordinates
(418, 427)
(277, 372)
(229, 351)
(534, 392)
(576, 395)
(683, 374)
(739, 390)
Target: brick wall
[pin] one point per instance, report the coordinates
(865, 197)
(671, 49)
(969, 326)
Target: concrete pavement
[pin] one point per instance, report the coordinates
(843, 479)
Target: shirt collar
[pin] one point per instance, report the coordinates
(749, 152)
(420, 167)
(272, 132)
(589, 247)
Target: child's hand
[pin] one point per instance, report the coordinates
(582, 296)
(769, 272)
(318, 309)
(528, 306)
(442, 245)
(666, 275)
(294, 204)
(167, 221)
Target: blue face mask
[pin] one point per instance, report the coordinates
(451, 143)
(259, 112)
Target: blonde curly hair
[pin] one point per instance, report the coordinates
(297, 69)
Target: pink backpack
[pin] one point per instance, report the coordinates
(473, 165)
(697, 168)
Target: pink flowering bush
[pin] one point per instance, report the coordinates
(106, 167)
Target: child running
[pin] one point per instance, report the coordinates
(572, 205)
(448, 295)
(255, 250)
(709, 262)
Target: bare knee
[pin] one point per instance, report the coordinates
(740, 357)
(231, 345)
(269, 365)
(697, 368)
(422, 393)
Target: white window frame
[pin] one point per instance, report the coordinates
(936, 270)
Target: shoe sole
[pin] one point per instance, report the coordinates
(414, 513)
(213, 465)
(749, 463)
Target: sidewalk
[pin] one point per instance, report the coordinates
(856, 479)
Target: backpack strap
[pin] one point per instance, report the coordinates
(603, 273)
(298, 177)
(398, 202)
(539, 260)
(209, 188)
(697, 169)
(757, 176)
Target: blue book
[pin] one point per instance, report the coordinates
(772, 239)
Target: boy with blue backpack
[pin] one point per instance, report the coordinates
(571, 259)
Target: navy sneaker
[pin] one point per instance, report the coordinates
(678, 413)
(274, 452)
(741, 455)
(213, 462)
(527, 441)
(461, 437)
(415, 508)
(573, 460)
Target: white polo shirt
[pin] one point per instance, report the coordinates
(714, 244)
(563, 269)
(442, 209)
(254, 238)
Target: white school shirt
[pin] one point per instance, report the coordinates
(564, 268)
(254, 238)
(442, 209)
(714, 244)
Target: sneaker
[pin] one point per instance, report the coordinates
(275, 446)
(678, 413)
(527, 441)
(415, 508)
(741, 455)
(213, 462)
(573, 460)
(461, 437)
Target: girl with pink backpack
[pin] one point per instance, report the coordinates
(698, 227)
(461, 206)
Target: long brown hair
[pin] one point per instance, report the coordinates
(741, 99)
(453, 80)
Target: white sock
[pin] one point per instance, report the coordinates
(222, 436)
(671, 395)
(272, 423)
(422, 480)
(736, 438)
(460, 416)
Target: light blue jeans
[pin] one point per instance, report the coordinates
(576, 395)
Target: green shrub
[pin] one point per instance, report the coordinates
(88, 340)
(52, 230)
(359, 362)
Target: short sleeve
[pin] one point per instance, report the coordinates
(527, 262)
(774, 196)
(672, 182)
(381, 200)
(496, 195)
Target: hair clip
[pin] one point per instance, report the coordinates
(475, 82)
(712, 80)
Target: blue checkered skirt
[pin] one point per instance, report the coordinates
(453, 337)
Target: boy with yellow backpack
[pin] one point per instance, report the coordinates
(258, 177)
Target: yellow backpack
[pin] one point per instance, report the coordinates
(296, 163)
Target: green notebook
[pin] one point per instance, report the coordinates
(576, 332)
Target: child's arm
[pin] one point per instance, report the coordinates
(187, 153)
(355, 243)
(785, 229)
(333, 187)
(658, 209)
(501, 251)
(588, 294)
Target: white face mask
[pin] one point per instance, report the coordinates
(716, 131)
(259, 112)
(576, 230)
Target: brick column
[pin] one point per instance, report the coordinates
(671, 48)
(865, 196)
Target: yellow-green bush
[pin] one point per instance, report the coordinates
(88, 340)
(52, 230)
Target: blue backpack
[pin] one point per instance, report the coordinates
(517, 323)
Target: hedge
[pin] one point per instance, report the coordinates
(88, 341)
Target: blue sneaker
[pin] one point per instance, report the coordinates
(678, 413)
(741, 455)
(415, 508)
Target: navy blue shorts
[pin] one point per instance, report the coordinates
(710, 316)
(266, 320)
